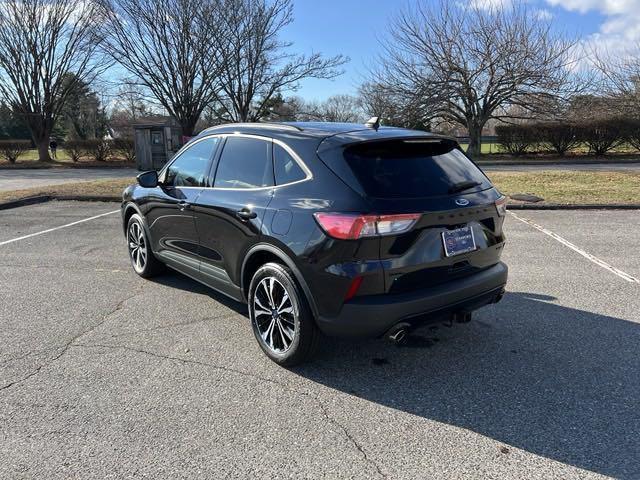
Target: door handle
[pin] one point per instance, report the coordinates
(245, 214)
(184, 206)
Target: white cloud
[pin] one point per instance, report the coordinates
(490, 4)
(619, 33)
(622, 17)
(607, 7)
(543, 14)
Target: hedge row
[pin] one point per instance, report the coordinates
(98, 150)
(10, 150)
(600, 136)
(101, 150)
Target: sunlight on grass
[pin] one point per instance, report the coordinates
(568, 187)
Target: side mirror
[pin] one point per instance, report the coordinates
(148, 179)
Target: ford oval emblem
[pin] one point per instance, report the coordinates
(462, 202)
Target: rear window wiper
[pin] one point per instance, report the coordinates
(462, 186)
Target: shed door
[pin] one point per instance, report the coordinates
(158, 151)
(143, 151)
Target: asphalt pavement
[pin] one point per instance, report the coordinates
(106, 375)
(20, 179)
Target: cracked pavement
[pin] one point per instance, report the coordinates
(106, 375)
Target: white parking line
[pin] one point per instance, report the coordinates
(57, 228)
(588, 256)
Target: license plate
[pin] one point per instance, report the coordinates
(458, 241)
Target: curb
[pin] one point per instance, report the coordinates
(554, 206)
(23, 202)
(87, 198)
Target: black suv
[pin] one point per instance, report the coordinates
(343, 229)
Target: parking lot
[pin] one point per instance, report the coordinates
(105, 375)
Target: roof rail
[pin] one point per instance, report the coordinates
(283, 126)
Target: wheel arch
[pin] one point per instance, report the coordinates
(254, 259)
(128, 210)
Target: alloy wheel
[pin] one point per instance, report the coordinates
(137, 246)
(274, 315)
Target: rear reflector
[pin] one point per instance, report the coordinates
(346, 226)
(353, 288)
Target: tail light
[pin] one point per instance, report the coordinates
(345, 226)
(501, 206)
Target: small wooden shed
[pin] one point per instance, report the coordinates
(156, 144)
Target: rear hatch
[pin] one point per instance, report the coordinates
(459, 228)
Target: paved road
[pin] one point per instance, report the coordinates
(103, 374)
(19, 179)
(594, 167)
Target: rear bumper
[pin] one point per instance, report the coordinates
(372, 316)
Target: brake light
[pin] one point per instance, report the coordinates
(345, 226)
(501, 206)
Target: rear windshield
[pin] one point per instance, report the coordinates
(413, 168)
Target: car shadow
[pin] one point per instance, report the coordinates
(554, 381)
(177, 280)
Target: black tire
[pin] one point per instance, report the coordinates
(143, 260)
(306, 336)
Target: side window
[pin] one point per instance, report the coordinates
(245, 163)
(191, 167)
(286, 168)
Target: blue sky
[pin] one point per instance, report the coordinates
(351, 27)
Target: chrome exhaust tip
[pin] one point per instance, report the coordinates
(398, 334)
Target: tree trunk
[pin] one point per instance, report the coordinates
(41, 135)
(43, 149)
(187, 129)
(475, 140)
(244, 113)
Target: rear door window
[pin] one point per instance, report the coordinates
(245, 163)
(286, 168)
(413, 168)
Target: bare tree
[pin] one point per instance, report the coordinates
(620, 75)
(468, 64)
(257, 64)
(393, 107)
(41, 43)
(337, 108)
(131, 102)
(166, 45)
(131, 106)
(341, 108)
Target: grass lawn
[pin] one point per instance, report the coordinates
(487, 148)
(32, 156)
(563, 187)
(111, 187)
(568, 187)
